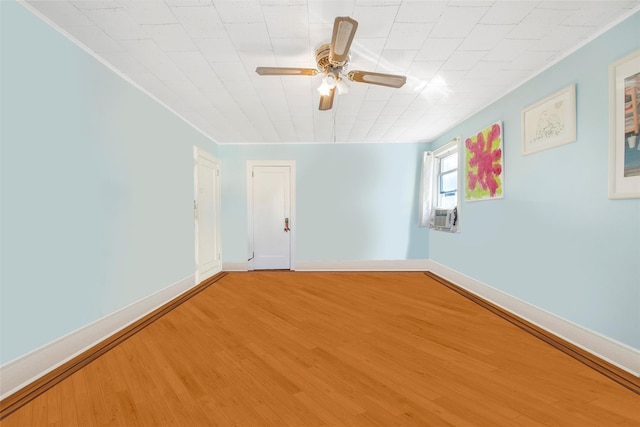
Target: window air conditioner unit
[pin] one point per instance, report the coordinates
(445, 219)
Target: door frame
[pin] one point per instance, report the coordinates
(197, 153)
(292, 218)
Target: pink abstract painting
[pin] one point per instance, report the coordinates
(483, 167)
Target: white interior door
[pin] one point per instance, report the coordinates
(271, 217)
(207, 215)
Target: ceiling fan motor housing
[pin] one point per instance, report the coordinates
(325, 65)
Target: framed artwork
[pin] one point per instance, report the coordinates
(624, 127)
(483, 164)
(550, 122)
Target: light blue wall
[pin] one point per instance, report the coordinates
(354, 201)
(555, 240)
(97, 188)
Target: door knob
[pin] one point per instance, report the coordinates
(286, 225)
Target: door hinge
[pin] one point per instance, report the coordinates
(195, 205)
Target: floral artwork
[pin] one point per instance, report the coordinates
(483, 171)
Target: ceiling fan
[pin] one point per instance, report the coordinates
(333, 60)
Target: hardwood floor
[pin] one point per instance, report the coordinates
(332, 349)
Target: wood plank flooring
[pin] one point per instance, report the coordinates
(332, 349)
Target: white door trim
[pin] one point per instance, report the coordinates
(292, 220)
(197, 153)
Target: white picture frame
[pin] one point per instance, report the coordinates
(550, 122)
(624, 127)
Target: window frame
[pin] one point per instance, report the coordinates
(444, 173)
(440, 153)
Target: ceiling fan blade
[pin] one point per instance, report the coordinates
(326, 101)
(390, 80)
(344, 29)
(282, 71)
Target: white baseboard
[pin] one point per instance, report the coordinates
(614, 352)
(379, 265)
(22, 371)
(235, 266)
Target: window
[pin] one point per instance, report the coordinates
(447, 192)
(440, 183)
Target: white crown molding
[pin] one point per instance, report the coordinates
(20, 372)
(107, 64)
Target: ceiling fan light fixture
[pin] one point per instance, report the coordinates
(342, 87)
(324, 88)
(328, 82)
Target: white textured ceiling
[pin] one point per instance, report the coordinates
(199, 57)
